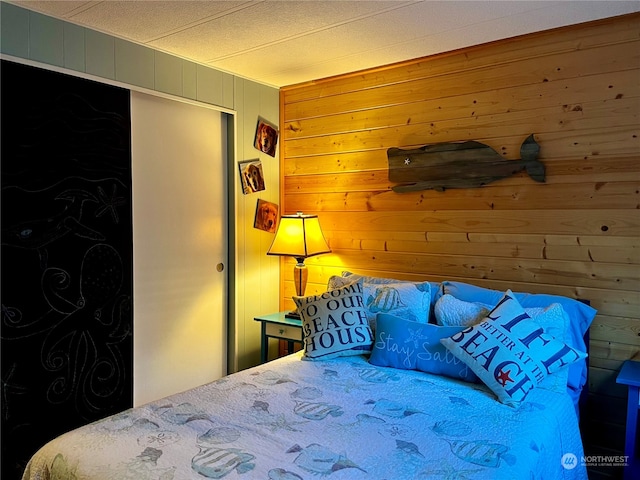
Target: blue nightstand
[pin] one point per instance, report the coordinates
(630, 375)
(277, 325)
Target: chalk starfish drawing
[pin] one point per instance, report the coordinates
(110, 203)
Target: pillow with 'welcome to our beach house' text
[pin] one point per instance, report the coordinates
(335, 324)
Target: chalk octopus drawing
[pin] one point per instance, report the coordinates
(84, 366)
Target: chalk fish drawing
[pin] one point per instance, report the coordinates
(319, 459)
(37, 233)
(459, 165)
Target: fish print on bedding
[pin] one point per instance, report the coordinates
(335, 419)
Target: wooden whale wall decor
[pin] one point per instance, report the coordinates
(459, 165)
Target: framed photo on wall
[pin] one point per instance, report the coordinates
(251, 176)
(266, 137)
(266, 216)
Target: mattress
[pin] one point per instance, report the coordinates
(341, 418)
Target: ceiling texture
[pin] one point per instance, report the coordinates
(282, 43)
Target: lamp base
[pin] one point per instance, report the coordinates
(300, 275)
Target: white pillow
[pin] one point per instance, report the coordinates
(555, 322)
(452, 312)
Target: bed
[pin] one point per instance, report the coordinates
(376, 409)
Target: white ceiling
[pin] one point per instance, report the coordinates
(287, 42)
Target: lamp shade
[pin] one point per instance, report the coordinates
(299, 236)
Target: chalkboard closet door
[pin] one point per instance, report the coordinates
(67, 257)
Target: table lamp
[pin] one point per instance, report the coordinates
(299, 236)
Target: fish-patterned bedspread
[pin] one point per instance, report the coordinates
(336, 419)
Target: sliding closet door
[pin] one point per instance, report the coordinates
(179, 240)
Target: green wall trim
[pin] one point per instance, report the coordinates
(46, 39)
(14, 30)
(33, 36)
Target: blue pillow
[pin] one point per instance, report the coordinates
(580, 315)
(408, 345)
(510, 352)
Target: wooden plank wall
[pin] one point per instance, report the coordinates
(577, 89)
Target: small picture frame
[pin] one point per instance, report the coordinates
(251, 176)
(266, 137)
(266, 216)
